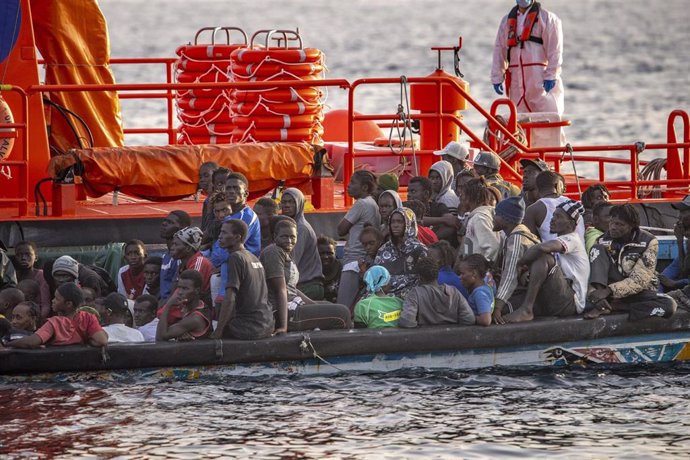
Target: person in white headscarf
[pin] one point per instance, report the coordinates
(527, 59)
(441, 177)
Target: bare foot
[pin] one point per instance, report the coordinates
(520, 315)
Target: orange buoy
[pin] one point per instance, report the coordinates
(202, 66)
(207, 77)
(207, 52)
(6, 143)
(196, 118)
(335, 128)
(217, 129)
(276, 135)
(275, 108)
(276, 121)
(203, 103)
(246, 55)
(264, 70)
(203, 139)
(279, 95)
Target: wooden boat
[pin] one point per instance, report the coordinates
(609, 340)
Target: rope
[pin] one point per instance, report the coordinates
(306, 346)
(569, 149)
(402, 125)
(651, 171)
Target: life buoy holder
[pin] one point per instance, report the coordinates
(277, 95)
(279, 108)
(248, 56)
(277, 135)
(264, 69)
(276, 121)
(6, 143)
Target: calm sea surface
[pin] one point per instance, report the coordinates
(626, 67)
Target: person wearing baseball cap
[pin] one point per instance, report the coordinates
(557, 285)
(456, 154)
(487, 164)
(114, 310)
(530, 170)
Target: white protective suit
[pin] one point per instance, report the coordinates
(531, 63)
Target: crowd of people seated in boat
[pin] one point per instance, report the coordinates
(466, 247)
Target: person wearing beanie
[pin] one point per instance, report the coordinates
(65, 270)
(508, 219)
(387, 181)
(558, 270)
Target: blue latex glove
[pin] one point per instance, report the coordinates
(549, 84)
(498, 87)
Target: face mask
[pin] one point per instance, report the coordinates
(523, 3)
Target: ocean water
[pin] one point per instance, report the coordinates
(626, 67)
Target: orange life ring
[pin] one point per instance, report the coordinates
(276, 121)
(248, 56)
(213, 76)
(217, 129)
(276, 135)
(281, 108)
(201, 66)
(6, 143)
(205, 52)
(203, 103)
(203, 93)
(201, 140)
(279, 95)
(195, 117)
(269, 69)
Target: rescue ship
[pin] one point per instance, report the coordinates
(253, 103)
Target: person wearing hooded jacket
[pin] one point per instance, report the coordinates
(527, 59)
(305, 255)
(479, 236)
(441, 177)
(400, 254)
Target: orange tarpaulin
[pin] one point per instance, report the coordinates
(72, 37)
(172, 172)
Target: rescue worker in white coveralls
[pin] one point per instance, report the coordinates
(527, 57)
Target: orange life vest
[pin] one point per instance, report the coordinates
(526, 35)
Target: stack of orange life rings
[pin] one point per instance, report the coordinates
(205, 115)
(277, 114)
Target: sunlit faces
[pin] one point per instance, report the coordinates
(397, 224)
(619, 228)
(469, 277)
(152, 273)
(286, 237)
(436, 181)
(355, 188)
(529, 177)
(370, 243)
(178, 249)
(235, 191)
(22, 318)
(227, 238)
(135, 255)
(205, 177)
(186, 290)
(169, 226)
(288, 205)
(386, 206)
(415, 191)
(561, 223)
(221, 210)
(25, 256)
(327, 255)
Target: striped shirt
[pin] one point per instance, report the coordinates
(514, 247)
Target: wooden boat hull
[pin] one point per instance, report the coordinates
(607, 340)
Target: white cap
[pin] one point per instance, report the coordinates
(455, 150)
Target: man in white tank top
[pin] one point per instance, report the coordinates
(538, 215)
